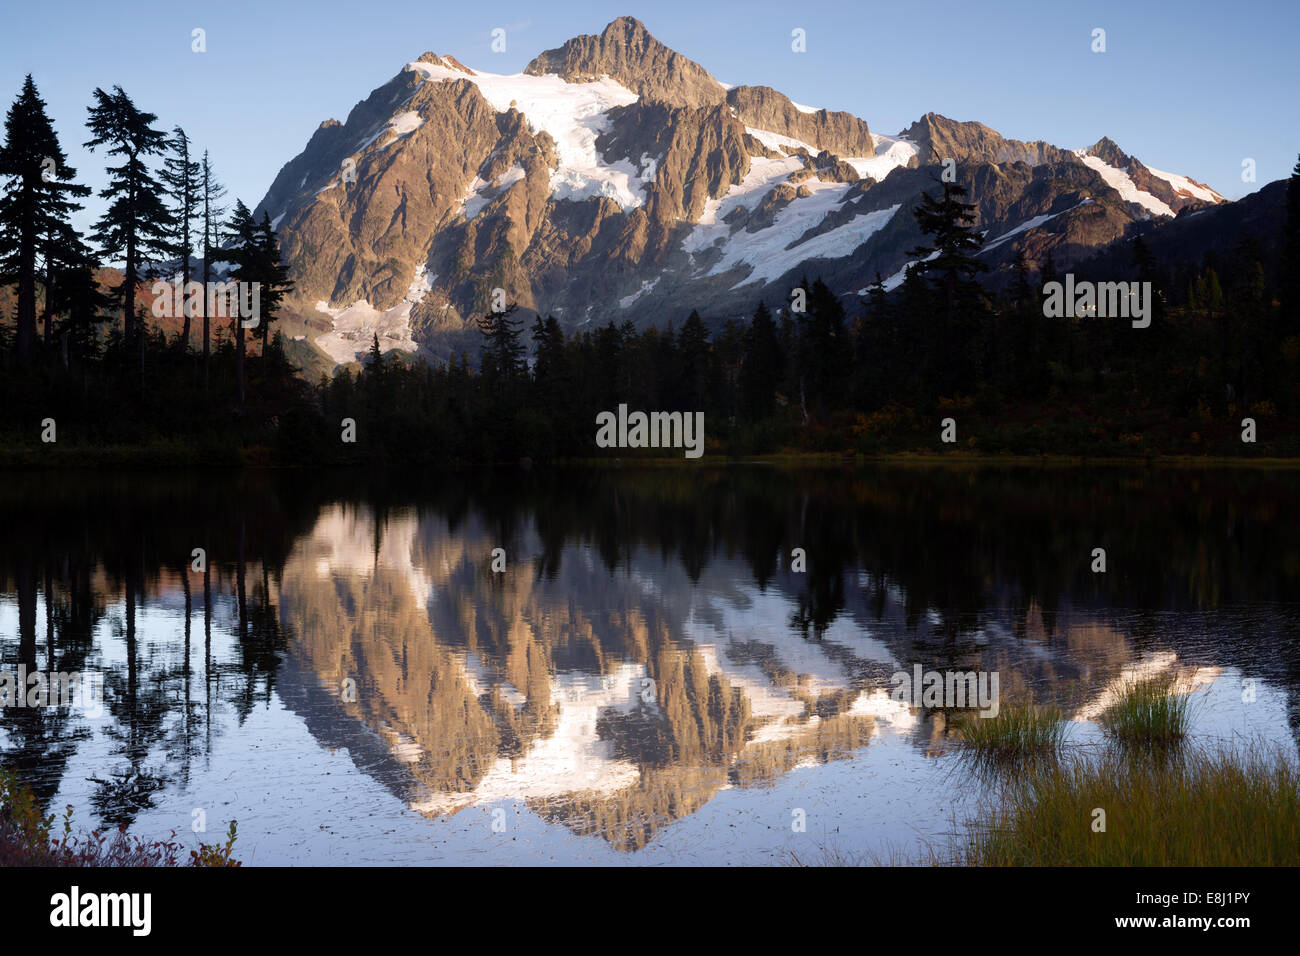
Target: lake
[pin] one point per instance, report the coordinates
(678, 665)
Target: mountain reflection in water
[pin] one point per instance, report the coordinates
(349, 652)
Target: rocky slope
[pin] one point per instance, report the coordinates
(616, 180)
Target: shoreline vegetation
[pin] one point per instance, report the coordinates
(1148, 796)
(1218, 807)
(177, 455)
(1180, 807)
(28, 839)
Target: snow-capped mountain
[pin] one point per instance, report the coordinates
(615, 179)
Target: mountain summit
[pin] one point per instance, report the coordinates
(617, 180)
(625, 51)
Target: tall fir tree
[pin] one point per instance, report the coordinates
(211, 192)
(273, 275)
(135, 226)
(180, 176)
(874, 340)
(65, 259)
(693, 350)
(1021, 362)
(552, 379)
(503, 353)
(760, 370)
(35, 209)
(825, 350)
(243, 248)
(1291, 257)
(950, 263)
(916, 338)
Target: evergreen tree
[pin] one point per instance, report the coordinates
(550, 372)
(1291, 257)
(213, 218)
(950, 264)
(760, 371)
(35, 207)
(273, 274)
(824, 349)
(1022, 372)
(244, 250)
(78, 296)
(874, 347)
(724, 369)
(503, 353)
(554, 386)
(916, 339)
(877, 298)
(693, 353)
(135, 225)
(180, 176)
(1157, 335)
(67, 261)
(501, 387)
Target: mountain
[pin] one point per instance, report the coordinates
(617, 180)
(1252, 224)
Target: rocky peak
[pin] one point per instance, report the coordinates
(764, 108)
(1108, 151)
(1176, 193)
(626, 51)
(450, 62)
(938, 138)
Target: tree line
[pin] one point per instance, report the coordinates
(164, 216)
(802, 374)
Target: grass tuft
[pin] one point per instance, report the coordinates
(1149, 713)
(1016, 732)
(1196, 809)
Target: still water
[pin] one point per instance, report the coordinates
(650, 679)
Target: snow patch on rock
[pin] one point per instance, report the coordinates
(891, 153)
(1028, 224)
(763, 175)
(474, 200)
(355, 326)
(1188, 187)
(574, 114)
(646, 286)
(775, 141)
(770, 251)
(1120, 181)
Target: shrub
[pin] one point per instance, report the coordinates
(26, 839)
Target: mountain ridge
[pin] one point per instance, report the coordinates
(617, 180)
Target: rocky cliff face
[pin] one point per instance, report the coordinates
(626, 52)
(616, 180)
(939, 138)
(765, 108)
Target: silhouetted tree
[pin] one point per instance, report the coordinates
(213, 213)
(135, 225)
(180, 176)
(35, 209)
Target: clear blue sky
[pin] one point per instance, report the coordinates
(1187, 87)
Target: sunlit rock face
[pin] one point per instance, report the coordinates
(617, 180)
